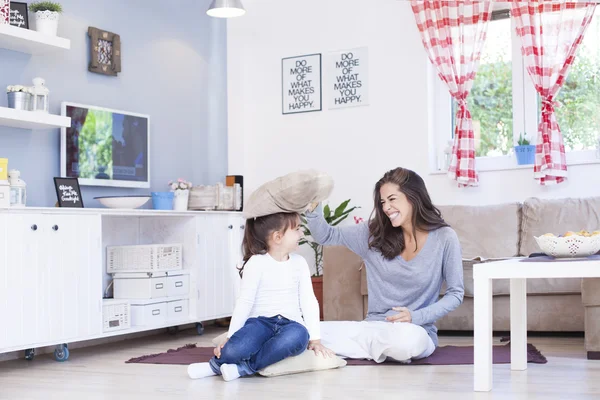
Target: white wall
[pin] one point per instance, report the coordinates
(355, 145)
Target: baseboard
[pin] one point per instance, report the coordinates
(507, 334)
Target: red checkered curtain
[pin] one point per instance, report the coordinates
(453, 33)
(550, 33)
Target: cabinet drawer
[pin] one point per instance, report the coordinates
(148, 314)
(140, 288)
(178, 285)
(177, 310)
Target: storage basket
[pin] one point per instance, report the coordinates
(144, 258)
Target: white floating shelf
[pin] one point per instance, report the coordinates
(30, 41)
(31, 120)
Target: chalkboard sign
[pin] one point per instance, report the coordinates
(68, 192)
(18, 15)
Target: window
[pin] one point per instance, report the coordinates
(504, 104)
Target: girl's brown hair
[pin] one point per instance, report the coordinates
(259, 229)
(426, 217)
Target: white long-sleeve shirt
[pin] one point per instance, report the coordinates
(271, 288)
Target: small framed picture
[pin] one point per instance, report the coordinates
(18, 15)
(105, 52)
(68, 192)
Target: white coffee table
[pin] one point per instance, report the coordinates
(517, 270)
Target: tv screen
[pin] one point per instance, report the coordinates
(105, 147)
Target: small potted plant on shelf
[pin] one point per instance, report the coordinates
(181, 191)
(46, 16)
(524, 151)
(19, 97)
(339, 214)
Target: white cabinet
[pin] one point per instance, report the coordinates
(51, 269)
(219, 255)
(52, 273)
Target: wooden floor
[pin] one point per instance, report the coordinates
(100, 373)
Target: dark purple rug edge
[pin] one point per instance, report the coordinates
(444, 355)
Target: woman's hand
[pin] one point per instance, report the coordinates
(317, 347)
(218, 349)
(312, 206)
(402, 316)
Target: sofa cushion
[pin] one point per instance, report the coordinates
(540, 286)
(557, 216)
(304, 362)
(293, 192)
(485, 231)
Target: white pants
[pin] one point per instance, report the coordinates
(378, 340)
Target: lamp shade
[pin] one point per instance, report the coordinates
(226, 9)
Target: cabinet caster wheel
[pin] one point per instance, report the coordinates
(172, 330)
(199, 328)
(29, 354)
(61, 353)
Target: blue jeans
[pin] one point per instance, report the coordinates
(261, 342)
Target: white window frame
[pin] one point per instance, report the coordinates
(525, 118)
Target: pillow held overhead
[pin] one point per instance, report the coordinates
(293, 192)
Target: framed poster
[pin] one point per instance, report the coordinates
(301, 84)
(68, 192)
(348, 78)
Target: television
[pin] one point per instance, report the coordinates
(105, 147)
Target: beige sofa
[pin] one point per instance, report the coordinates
(492, 232)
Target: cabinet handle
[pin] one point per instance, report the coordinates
(158, 286)
(156, 312)
(242, 227)
(179, 284)
(55, 228)
(178, 309)
(34, 227)
(230, 226)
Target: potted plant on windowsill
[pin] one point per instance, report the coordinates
(47, 14)
(339, 214)
(525, 151)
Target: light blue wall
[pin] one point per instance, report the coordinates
(173, 68)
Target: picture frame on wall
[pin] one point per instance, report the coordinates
(105, 52)
(68, 192)
(301, 84)
(19, 16)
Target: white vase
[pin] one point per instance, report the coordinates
(46, 22)
(180, 201)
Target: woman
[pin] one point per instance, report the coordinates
(409, 251)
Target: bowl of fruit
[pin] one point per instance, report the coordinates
(570, 244)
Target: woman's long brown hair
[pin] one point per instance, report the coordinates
(258, 230)
(426, 217)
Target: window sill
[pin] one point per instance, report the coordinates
(509, 163)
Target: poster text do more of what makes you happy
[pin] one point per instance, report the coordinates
(301, 83)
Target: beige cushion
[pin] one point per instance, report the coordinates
(485, 231)
(557, 216)
(305, 362)
(293, 192)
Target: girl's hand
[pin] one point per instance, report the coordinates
(218, 349)
(317, 347)
(402, 316)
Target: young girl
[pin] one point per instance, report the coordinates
(277, 314)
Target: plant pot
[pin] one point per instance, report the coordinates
(162, 200)
(180, 203)
(46, 22)
(525, 154)
(317, 283)
(19, 100)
